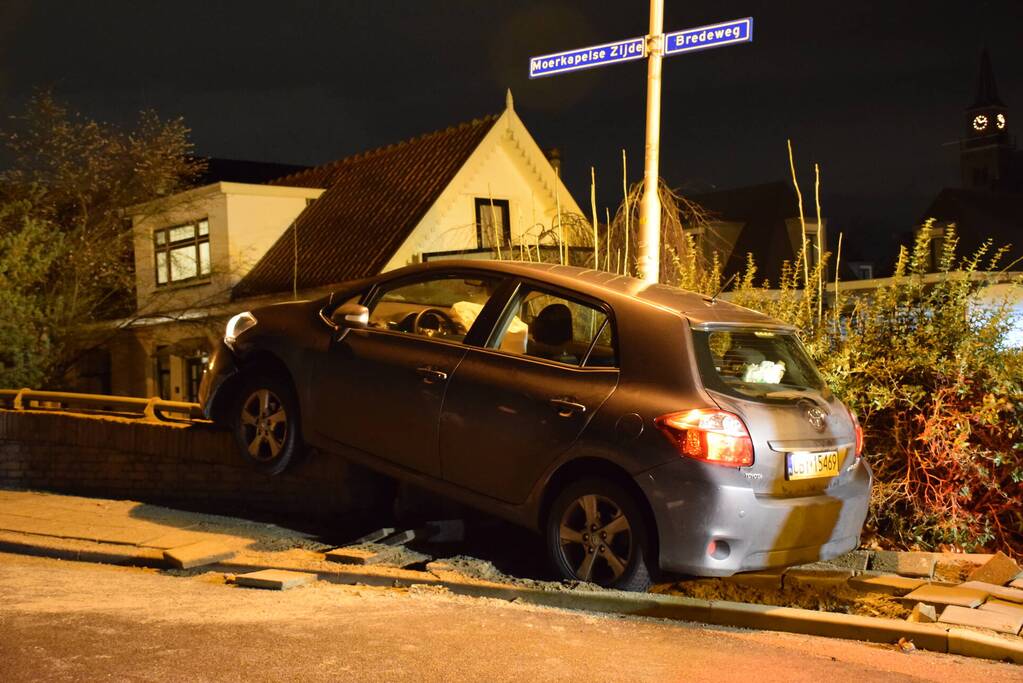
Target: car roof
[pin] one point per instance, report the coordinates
(699, 309)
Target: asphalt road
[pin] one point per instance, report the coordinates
(67, 621)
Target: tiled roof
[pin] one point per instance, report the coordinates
(373, 201)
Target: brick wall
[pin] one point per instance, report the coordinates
(190, 466)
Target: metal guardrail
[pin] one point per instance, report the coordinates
(150, 408)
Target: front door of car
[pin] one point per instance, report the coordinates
(511, 409)
(380, 389)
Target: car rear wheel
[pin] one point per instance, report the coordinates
(265, 426)
(596, 532)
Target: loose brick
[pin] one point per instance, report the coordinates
(963, 616)
(999, 570)
(890, 584)
(198, 554)
(1002, 592)
(948, 595)
(274, 579)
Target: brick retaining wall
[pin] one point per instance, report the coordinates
(191, 466)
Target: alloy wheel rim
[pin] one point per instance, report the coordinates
(595, 539)
(264, 425)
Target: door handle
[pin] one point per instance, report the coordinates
(431, 375)
(566, 408)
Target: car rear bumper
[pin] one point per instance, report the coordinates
(750, 532)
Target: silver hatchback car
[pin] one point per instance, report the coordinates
(635, 427)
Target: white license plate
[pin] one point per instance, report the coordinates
(811, 465)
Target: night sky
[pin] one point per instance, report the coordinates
(874, 92)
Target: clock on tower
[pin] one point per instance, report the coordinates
(986, 149)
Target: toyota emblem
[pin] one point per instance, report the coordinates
(816, 417)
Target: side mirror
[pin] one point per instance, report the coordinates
(350, 317)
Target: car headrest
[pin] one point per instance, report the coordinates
(553, 326)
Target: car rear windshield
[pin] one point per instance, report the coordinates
(766, 365)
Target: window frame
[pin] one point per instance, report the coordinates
(499, 327)
(505, 208)
(166, 247)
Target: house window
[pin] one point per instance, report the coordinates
(493, 225)
(182, 252)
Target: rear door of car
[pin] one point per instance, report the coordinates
(518, 402)
(380, 389)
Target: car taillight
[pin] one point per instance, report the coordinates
(713, 436)
(859, 432)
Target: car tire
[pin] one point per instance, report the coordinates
(265, 423)
(595, 531)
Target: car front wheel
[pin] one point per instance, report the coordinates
(595, 532)
(266, 427)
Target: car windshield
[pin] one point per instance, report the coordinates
(766, 365)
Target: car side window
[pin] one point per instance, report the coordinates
(441, 306)
(552, 327)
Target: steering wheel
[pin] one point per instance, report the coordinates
(444, 323)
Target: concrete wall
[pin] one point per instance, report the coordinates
(189, 466)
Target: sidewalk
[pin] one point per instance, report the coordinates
(130, 533)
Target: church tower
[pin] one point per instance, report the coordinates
(986, 151)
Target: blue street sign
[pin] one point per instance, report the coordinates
(587, 57)
(704, 37)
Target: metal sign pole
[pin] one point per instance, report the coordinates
(649, 239)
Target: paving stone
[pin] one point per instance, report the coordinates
(905, 563)
(766, 580)
(999, 570)
(172, 539)
(923, 614)
(198, 554)
(368, 553)
(1002, 592)
(809, 578)
(964, 616)
(374, 536)
(1016, 583)
(948, 595)
(274, 579)
(890, 584)
(1002, 607)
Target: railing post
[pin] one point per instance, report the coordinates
(18, 403)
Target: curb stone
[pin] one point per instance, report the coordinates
(722, 613)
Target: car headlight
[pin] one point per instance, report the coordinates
(237, 325)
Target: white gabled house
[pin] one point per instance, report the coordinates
(483, 189)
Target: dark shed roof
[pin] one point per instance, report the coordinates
(373, 201)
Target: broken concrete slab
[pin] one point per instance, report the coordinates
(374, 536)
(996, 621)
(923, 614)
(947, 595)
(198, 554)
(366, 553)
(889, 584)
(274, 579)
(1006, 593)
(999, 570)
(829, 578)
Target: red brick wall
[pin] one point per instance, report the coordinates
(191, 466)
